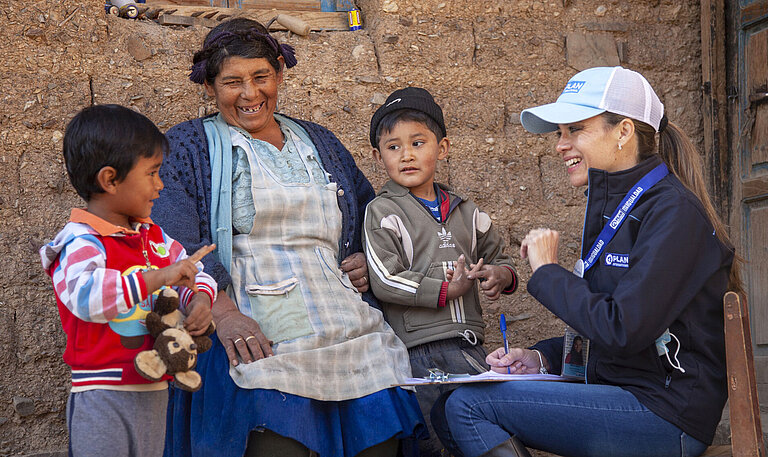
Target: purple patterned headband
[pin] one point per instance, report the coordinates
(223, 38)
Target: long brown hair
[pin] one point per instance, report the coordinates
(684, 161)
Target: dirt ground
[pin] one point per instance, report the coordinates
(483, 61)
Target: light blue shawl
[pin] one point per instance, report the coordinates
(220, 156)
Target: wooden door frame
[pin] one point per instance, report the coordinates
(717, 154)
(721, 22)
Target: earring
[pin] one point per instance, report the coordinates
(619, 145)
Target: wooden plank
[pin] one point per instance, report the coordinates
(288, 5)
(756, 235)
(345, 5)
(754, 12)
(291, 5)
(758, 148)
(170, 19)
(746, 432)
(754, 189)
(718, 451)
(210, 16)
(715, 101)
(757, 83)
(189, 2)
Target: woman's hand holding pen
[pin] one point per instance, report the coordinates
(517, 361)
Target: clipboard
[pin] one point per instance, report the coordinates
(488, 376)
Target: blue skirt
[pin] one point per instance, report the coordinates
(216, 420)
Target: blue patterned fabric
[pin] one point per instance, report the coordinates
(285, 164)
(197, 426)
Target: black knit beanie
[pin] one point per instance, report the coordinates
(414, 98)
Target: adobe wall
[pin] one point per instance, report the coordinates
(483, 61)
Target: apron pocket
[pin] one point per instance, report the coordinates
(280, 310)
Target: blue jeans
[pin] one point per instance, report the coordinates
(567, 419)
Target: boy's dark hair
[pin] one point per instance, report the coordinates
(390, 120)
(107, 135)
(412, 99)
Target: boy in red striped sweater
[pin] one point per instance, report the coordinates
(107, 265)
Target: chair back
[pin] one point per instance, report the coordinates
(746, 430)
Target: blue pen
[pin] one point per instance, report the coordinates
(503, 327)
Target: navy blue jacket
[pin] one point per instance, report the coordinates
(183, 209)
(677, 275)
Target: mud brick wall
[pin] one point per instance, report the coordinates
(483, 61)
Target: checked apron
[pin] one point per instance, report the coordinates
(329, 344)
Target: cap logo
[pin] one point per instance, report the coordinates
(397, 100)
(573, 87)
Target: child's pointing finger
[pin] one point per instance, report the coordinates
(202, 252)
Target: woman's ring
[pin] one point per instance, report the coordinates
(238, 339)
(365, 279)
(246, 340)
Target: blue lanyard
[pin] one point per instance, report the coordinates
(619, 216)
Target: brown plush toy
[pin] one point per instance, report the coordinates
(175, 350)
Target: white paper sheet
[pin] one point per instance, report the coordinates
(488, 376)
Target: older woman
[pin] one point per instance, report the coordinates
(301, 363)
(647, 293)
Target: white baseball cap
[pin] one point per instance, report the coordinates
(595, 91)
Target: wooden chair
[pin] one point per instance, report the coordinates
(746, 430)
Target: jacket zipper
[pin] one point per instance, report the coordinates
(586, 211)
(583, 230)
(143, 235)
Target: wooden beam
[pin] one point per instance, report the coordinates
(753, 12)
(746, 431)
(291, 5)
(184, 2)
(754, 189)
(715, 102)
(718, 451)
(171, 19)
(210, 16)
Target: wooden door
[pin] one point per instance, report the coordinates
(749, 161)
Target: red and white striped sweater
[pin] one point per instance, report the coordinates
(96, 269)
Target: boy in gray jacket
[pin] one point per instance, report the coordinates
(427, 247)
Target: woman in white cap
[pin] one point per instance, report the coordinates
(647, 293)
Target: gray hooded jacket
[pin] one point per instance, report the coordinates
(408, 253)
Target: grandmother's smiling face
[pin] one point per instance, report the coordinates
(246, 93)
